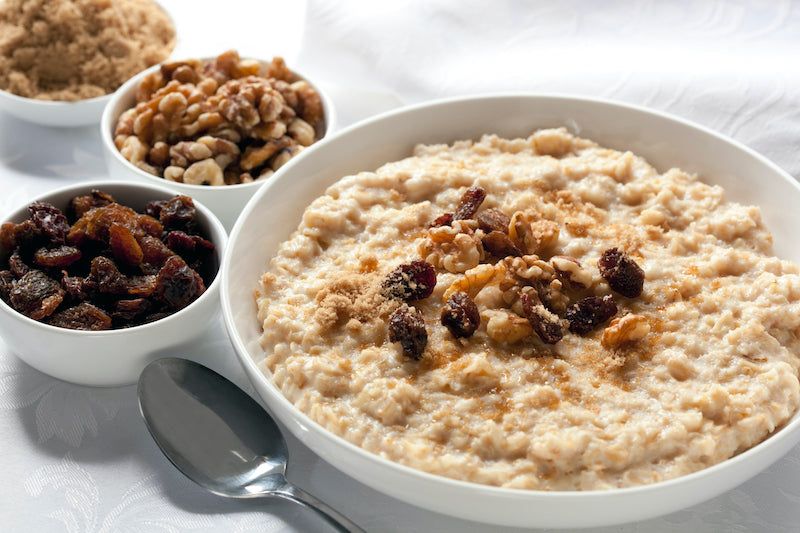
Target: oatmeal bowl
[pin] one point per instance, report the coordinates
(215, 129)
(526, 310)
(99, 278)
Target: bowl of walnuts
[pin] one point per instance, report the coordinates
(214, 129)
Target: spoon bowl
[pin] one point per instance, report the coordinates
(218, 436)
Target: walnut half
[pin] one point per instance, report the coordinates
(624, 329)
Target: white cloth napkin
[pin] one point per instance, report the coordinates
(729, 65)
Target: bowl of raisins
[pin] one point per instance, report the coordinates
(213, 128)
(98, 278)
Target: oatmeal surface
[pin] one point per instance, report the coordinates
(699, 366)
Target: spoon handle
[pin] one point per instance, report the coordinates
(332, 516)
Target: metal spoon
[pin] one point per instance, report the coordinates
(218, 436)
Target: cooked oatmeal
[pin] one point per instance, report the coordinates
(590, 323)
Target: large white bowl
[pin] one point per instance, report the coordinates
(225, 201)
(666, 141)
(113, 357)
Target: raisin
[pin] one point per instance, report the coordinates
(469, 203)
(180, 243)
(107, 277)
(493, 220)
(124, 246)
(621, 272)
(80, 205)
(410, 281)
(178, 285)
(442, 220)
(17, 264)
(544, 323)
(142, 285)
(73, 285)
(23, 235)
(407, 327)
(50, 220)
(129, 310)
(36, 295)
(7, 279)
(500, 245)
(460, 315)
(59, 257)
(153, 209)
(155, 252)
(586, 314)
(84, 316)
(177, 213)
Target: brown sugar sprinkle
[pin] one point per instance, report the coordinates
(108, 268)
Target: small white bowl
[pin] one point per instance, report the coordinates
(665, 141)
(50, 113)
(113, 357)
(225, 201)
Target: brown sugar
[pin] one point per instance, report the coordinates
(77, 49)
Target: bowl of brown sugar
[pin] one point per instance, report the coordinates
(60, 60)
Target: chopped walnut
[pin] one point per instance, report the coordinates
(571, 270)
(475, 279)
(456, 247)
(624, 329)
(227, 113)
(530, 235)
(505, 326)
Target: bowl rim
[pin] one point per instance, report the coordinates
(24, 100)
(110, 116)
(215, 227)
(777, 439)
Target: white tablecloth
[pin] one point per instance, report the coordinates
(79, 459)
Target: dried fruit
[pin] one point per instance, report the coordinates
(500, 245)
(621, 272)
(80, 205)
(544, 323)
(469, 203)
(7, 279)
(50, 220)
(407, 327)
(177, 284)
(59, 257)
(442, 220)
(124, 246)
(36, 295)
(114, 268)
(17, 264)
(25, 234)
(177, 213)
(129, 310)
(586, 314)
(460, 315)
(493, 220)
(83, 316)
(410, 281)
